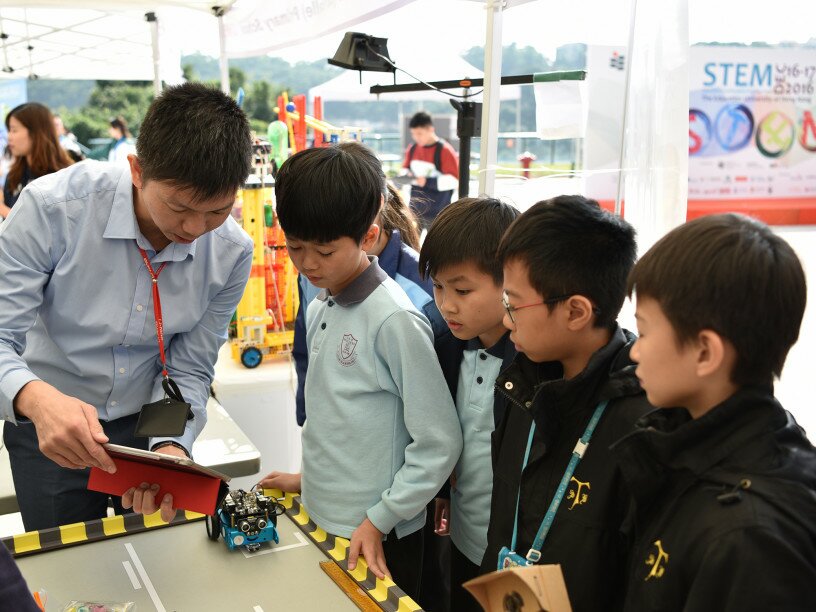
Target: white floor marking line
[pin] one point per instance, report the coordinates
(132, 575)
(145, 579)
(298, 536)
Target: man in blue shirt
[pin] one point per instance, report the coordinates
(83, 258)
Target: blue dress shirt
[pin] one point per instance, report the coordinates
(76, 309)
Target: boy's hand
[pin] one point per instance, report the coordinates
(367, 539)
(288, 483)
(442, 517)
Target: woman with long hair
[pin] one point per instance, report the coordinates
(122, 145)
(395, 215)
(33, 141)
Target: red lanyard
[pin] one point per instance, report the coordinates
(157, 311)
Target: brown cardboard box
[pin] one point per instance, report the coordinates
(522, 589)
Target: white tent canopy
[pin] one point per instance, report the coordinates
(91, 39)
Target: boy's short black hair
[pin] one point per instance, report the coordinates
(328, 193)
(197, 137)
(420, 119)
(469, 229)
(573, 247)
(730, 274)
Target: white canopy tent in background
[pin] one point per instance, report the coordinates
(291, 22)
(91, 39)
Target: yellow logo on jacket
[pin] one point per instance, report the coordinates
(580, 494)
(657, 561)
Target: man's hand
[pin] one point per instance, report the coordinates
(288, 483)
(442, 516)
(419, 181)
(68, 429)
(143, 498)
(367, 539)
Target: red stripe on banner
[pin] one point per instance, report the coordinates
(773, 211)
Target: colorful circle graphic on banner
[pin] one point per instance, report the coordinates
(775, 134)
(734, 126)
(699, 131)
(807, 132)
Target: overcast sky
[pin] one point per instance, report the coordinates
(456, 25)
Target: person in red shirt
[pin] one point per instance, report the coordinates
(434, 166)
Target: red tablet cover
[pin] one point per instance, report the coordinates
(190, 491)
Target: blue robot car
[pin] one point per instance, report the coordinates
(245, 519)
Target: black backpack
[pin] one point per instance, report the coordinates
(437, 154)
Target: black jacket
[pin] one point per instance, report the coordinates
(586, 536)
(14, 594)
(725, 509)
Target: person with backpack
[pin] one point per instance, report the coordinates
(434, 167)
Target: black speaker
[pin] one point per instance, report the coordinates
(363, 52)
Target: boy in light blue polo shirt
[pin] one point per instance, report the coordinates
(459, 254)
(382, 434)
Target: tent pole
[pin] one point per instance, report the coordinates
(490, 97)
(619, 191)
(154, 36)
(223, 64)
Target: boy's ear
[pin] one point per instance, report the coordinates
(370, 238)
(135, 171)
(713, 353)
(579, 312)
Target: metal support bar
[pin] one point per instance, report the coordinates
(490, 97)
(468, 125)
(518, 79)
(154, 37)
(223, 64)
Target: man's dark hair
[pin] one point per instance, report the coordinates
(420, 119)
(328, 193)
(571, 246)
(195, 137)
(470, 229)
(730, 274)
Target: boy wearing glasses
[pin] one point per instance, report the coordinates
(459, 255)
(557, 497)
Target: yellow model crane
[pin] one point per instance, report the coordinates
(264, 321)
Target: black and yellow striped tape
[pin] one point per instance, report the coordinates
(90, 531)
(385, 592)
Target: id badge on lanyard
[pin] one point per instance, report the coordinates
(168, 416)
(508, 557)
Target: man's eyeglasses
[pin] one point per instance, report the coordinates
(511, 309)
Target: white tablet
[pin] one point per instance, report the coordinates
(180, 463)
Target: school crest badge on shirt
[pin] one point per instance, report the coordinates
(345, 352)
